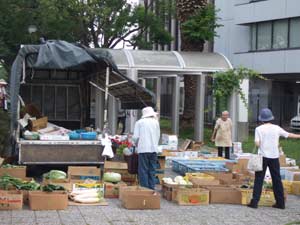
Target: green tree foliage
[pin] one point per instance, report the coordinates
(98, 23)
(227, 82)
(201, 25)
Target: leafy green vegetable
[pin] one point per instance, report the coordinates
(10, 166)
(55, 174)
(52, 187)
(7, 182)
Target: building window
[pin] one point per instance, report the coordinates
(295, 33)
(277, 34)
(253, 36)
(264, 35)
(280, 34)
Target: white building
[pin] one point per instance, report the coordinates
(263, 35)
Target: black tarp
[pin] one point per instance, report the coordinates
(54, 55)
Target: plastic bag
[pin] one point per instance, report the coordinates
(255, 163)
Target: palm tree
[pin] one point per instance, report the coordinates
(186, 8)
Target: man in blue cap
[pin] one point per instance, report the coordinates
(267, 140)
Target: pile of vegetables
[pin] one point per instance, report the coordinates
(55, 174)
(53, 187)
(7, 182)
(10, 166)
(87, 196)
(112, 177)
(178, 180)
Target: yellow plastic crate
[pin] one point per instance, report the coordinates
(266, 199)
(296, 188)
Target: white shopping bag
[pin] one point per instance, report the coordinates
(255, 163)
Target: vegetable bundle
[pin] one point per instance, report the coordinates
(7, 182)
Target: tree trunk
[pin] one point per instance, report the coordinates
(186, 8)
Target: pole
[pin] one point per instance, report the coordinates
(106, 96)
(199, 108)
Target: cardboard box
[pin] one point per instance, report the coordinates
(169, 147)
(282, 160)
(19, 172)
(61, 182)
(39, 200)
(292, 175)
(10, 200)
(78, 174)
(169, 191)
(192, 196)
(169, 139)
(125, 189)
(295, 188)
(112, 190)
(121, 168)
(242, 164)
(185, 145)
(225, 178)
(196, 145)
(35, 125)
(198, 182)
(232, 167)
(224, 195)
(141, 200)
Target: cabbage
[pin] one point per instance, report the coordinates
(177, 179)
(55, 174)
(112, 177)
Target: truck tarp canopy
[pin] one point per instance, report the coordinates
(54, 55)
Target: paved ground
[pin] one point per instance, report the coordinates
(169, 213)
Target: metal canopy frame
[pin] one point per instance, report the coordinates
(173, 64)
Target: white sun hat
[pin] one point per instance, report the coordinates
(148, 112)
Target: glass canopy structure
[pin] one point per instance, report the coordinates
(143, 64)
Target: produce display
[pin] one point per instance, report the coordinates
(178, 180)
(87, 196)
(10, 166)
(55, 174)
(7, 182)
(52, 187)
(112, 177)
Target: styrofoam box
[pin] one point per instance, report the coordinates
(169, 147)
(167, 139)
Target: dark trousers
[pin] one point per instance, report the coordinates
(122, 120)
(227, 153)
(274, 168)
(146, 169)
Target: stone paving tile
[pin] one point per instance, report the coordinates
(5, 213)
(23, 220)
(22, 213)
(46, 213)
(46, 220)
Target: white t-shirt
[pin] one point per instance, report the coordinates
(268, 136)
(147, 132)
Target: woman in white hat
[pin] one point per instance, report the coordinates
(267, 140)
(146, 135)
